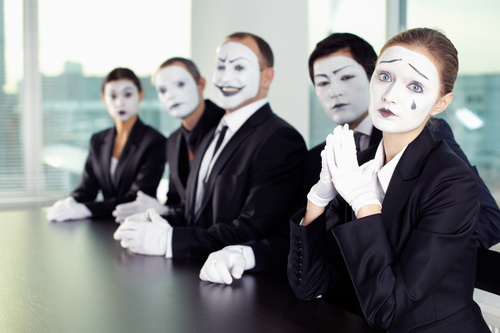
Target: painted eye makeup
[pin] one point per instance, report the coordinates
(221, 67)
(239, 68)
(322, 83)
(347, 77)
(162, 90)
(384, 77)
(415, 87)
(180, 84)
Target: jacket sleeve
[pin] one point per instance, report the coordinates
(489, 214)
(89, 185)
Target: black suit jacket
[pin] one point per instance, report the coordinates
(489, 214)
(413, 266)
(140, 167)
(250, 188)
(178, 158)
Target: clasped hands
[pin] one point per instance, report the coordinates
(341, 173)
(146, 233)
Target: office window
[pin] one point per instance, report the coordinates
(365, 18)
(53, 57)
(473, 113)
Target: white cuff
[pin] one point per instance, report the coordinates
(168, 252)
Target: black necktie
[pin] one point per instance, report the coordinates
(222, 133)
(357, 140)
(220, 139)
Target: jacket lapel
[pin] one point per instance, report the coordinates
(106, 154)
(405, 175)
(233, 144)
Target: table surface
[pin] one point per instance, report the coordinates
(74, 277)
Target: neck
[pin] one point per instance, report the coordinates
(395, 142)
(355, 123)
(191, 120)
(123, 128)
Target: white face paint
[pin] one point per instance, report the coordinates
(177, 91)
(403, 90)
(342, 88)
(121, 98)
(237, 76)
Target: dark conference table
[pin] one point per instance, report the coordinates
(74, 277)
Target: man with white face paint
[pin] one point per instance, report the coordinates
(180, 89)
(124, 159)
(240, 189)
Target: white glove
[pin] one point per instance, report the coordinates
(357, 188)
(323, 191)
(68, 209)
(230, 262)
(145, 233)
(141, 204)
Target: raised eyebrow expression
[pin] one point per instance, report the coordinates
(413, 67)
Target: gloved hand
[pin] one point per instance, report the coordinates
(141, 204)
(323, 191)
(68, 209)
(230, 262)
(145, 233)
(357, 188)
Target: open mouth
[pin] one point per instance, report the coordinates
(230, 91)
(122, 112)
(176, 105)
(385, 112)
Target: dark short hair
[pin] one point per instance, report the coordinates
(120, 74)
(191, 67)
(264, 48)
(361, 50)
(439, 47)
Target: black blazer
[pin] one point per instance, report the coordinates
(413, 266)
(249, 190)
(489, 214)
(140, 167)
(178, 157)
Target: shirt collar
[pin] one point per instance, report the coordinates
(365, 126)
(237, 118)
(386, 172)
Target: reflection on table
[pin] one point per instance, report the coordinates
(73, 277)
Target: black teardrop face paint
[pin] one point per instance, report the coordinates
(413, 105)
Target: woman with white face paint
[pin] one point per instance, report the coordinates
(122, 160)
(403, 225)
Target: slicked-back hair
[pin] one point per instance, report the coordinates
(264, 48)
(191, 67)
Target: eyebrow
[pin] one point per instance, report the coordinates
(390, 61)
(321, 75)
(416, 70)
(231, 61)
(338, 70)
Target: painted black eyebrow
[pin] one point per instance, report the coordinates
(389, 61)
(338, 70)
(223, 59)
(231, 61)
(321, 75)
(416, 70)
